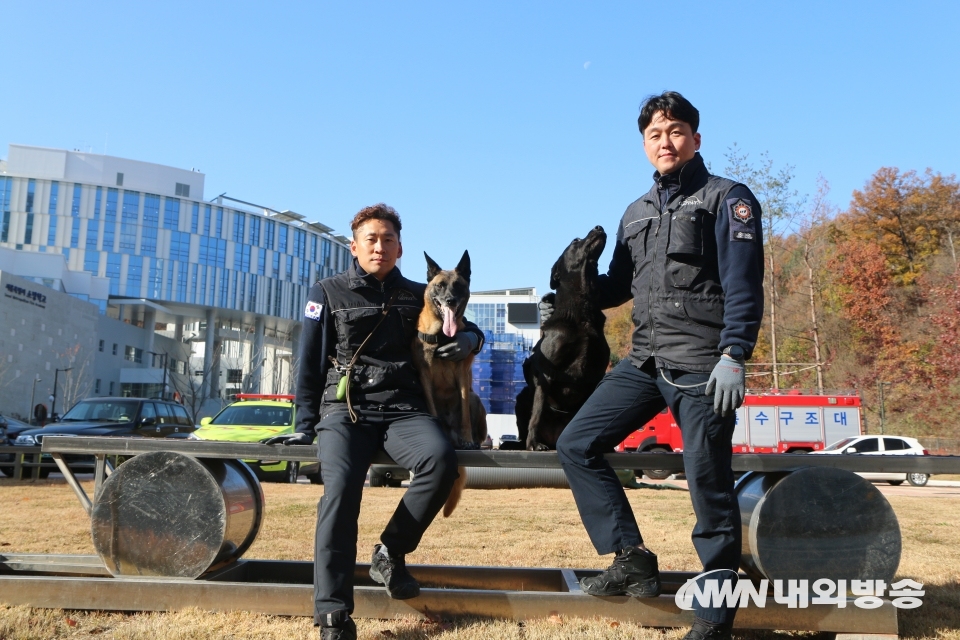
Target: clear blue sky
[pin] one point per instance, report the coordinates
(504, 128)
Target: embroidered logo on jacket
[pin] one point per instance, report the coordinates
(741, 211)
(691, 201)
(313, 310)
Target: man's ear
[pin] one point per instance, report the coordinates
(353, 248)
(463, 267)
(432, 267)
(555, 274)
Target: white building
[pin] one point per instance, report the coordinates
(139, 241)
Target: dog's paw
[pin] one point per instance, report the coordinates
(541, 447)
(466, 445)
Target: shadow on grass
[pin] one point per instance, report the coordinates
(940, 611)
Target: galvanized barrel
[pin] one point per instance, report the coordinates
(167, 514)
(816, 523)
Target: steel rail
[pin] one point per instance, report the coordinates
(284, 588)
(766, 462)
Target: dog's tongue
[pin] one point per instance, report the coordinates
(449, 322)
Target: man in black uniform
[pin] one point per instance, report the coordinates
(690, 254)
(360, 325)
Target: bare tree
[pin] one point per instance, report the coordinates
(812, 234)
(781, 205)
(75, 383)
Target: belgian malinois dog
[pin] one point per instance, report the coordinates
(572, 355)
(447, 385)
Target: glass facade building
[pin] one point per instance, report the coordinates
(154, 244)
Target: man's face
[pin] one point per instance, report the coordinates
(376, 246)
(669, 143)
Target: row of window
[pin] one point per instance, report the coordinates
(144, 210)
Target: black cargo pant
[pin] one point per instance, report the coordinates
(626, 399)
(414, 440)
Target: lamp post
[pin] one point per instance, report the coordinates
(163, 363)
(33, 395)
(53, 402)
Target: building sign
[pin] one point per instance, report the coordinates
(35, 298)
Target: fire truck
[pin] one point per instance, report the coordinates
(791, 421)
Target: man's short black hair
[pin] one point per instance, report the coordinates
(673, 105)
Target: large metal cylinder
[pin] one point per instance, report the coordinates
(167, 514)
(816, 523)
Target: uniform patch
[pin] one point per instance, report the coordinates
(313, 310)
(691, 201)
(741, 211)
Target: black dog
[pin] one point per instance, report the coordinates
(572, 355)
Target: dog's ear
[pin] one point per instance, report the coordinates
(463, 267)
(432, 267)
(555, 274)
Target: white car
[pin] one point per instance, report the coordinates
(882, 446)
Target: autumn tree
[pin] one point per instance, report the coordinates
(908, 216)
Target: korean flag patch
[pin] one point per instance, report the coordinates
(313, 310)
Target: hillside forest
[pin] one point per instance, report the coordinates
(864, 299)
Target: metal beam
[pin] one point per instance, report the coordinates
(505, 459)
(485, 592)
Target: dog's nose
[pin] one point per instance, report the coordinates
(598, 228)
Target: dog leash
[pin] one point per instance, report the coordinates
(348, 370)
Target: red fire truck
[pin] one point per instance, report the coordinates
(784, 422)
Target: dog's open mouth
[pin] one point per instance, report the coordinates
(449, 318)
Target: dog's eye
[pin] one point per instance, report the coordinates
(576, 239)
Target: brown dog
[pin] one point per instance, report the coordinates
(448, 385)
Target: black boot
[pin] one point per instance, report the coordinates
(391, 571)
(345, 631)
(634, 572)
(703, 630)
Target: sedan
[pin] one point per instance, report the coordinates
(882, 446)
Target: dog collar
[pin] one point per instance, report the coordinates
(434, 338)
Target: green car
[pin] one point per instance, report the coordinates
(255, 417)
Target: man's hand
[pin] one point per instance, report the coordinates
(462, 346)
(728, 384)
(546, 306)
(292, 438)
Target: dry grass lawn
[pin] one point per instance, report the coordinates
(532, 527)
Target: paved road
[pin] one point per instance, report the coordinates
(934, 488)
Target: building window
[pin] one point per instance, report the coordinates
(31, 193)
(96, 386)
(195, 218)
(219, 222)
(6, 185)
(75, 205)
(133, 354)
(52, 210)
(269, 230)
(134, 276)
(119, 179)
(91, 262)
(254, 230)
(114, 353)
(183, 190)
(234, 376)
(111, 388)
(171, 214)
(129, 216)
(238, 224)
(101, 346)
(282, 238)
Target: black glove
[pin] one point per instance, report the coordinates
(728, 384)
(462, 346)
(546, 306)
(290, 438)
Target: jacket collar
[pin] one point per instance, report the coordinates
(359, 278)
(692, 173)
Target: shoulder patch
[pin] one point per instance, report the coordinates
(742, 225)
(313, 310)
(742, 211)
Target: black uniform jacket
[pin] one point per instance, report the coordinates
(690, 254)
(341, 312)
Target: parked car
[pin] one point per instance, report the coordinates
(125, 417)
(256, 417)
(10, 428)
(880, 446)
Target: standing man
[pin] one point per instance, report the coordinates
(690, 254)
(358, 392)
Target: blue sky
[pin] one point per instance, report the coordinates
(504, 128)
